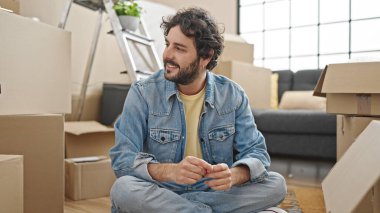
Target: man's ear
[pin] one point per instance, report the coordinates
(210, 54)
(205, 61)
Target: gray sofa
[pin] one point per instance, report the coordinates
(298, 133)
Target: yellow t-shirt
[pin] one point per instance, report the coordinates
(193, 105)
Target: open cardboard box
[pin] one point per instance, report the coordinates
(88, 180)
(351, 88)
(255, 81)
(356, 175)
(87, 138)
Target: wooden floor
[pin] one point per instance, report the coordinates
(99, 205)
(303, 178)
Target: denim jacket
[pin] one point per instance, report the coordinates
(152, 128)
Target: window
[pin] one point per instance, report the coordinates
(308, 34)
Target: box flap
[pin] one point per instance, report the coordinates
(355, 173)
(318, 87)
(360, 77)
(85, 127)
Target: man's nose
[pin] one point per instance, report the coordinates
(168, 53)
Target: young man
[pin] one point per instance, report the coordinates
(186, 140)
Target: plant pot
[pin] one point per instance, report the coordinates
(129, 22)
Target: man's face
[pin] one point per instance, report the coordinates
(180, 58)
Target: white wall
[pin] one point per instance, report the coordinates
(225, 11)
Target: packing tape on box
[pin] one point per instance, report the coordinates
(364, 103)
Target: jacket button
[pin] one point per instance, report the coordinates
(202, 140)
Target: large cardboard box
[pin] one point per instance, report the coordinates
(236, 49)
(88, 180)
(87, 138)
(355, 175)
(11, 183)
(255, 81)
(39, 138)
(351, 88)
(35, 67)
(348, 129)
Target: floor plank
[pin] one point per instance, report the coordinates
(98, 205)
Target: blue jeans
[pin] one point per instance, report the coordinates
(131, 194)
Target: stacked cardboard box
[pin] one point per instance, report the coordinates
(11, 183)
(90, 179)
(353, 92)
(35, 69)
(254, 80)
(40, 139)
(236, 63)
(236, 49)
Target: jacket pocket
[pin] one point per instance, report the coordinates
(221, 133)
(163, 143)
(221, 143)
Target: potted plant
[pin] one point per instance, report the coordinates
(129, 13)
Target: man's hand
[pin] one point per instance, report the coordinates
(188, 171)
(221, 177)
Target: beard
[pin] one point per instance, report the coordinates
(185, 75)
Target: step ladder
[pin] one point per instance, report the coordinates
(123, 37)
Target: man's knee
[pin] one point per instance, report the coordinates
(124, 192)
(279, 186)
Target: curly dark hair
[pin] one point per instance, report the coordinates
(199, 24)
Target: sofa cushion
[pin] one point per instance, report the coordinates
(305, 79)
(285, 81)
(295, 121)
(274, 91)
(302, 100)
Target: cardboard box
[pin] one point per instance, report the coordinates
(13, 5)
(35, 68)
(351, 88)
(355, 175)
(348, 129)
(88, 180)
(87, 138)
(91, 108)
(236, 49)
(39, 138)
(11, 183)
(255, 81)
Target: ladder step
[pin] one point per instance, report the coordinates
(91, 4)
(143, 72)
(135, 37)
